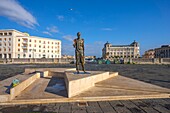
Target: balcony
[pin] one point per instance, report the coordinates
(25, 47)
(25, 42)
(25, 51)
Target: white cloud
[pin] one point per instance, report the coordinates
(14, 11)
(107, 29)
(67, 48)
(60, 17)
(69, 37)
(53, 29)
(47, 33)
(94, 49)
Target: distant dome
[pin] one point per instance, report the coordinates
(107, 42)
(134, 43)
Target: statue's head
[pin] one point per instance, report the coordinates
(78, 34)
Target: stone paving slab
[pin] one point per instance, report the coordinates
(7, 82)
(123, 106)
(121, 82)
(39, 90)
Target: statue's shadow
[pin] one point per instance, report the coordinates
(81, 73)
(56, 86)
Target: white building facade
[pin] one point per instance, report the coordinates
(120, 51)
(16, 44)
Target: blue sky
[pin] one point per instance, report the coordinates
(116, 21)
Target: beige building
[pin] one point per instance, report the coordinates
(149, 54)
(120, 51)
(162, 52)
(16, 44)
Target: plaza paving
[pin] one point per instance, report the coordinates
(154, 74)
(121, 106)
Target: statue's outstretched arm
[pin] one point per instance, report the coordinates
(74, 43)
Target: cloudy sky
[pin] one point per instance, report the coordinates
(99, 21)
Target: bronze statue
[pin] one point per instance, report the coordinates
(79, 52)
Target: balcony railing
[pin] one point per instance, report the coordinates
(25, 51)
(25, 42)
(24, 47)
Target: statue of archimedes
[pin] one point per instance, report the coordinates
(79, 52)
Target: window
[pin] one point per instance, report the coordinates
(0, 44)
(18, 55)
(10, 33)
(44, 51)
(52, 42)
(35, 45)
(24, 55)
(52, 56)
(30, 41)
(18, 40)
(1, 34)
(18, 45)
(48, 42)
(9, 39)
(18, 49)
(0, 39)
(9, 49)
(52, 51)
(39, 46)
(48, 46)
(0, 49)
(4, 49)
(30, 50)
(48, 51)
(30, 45)
(40, 41)
(44, 42)
(5, 39)
(39, 55)
(5, 34)
(35, 41)
(9, 44)
(39, 50)
(30, 55)
(52, 47)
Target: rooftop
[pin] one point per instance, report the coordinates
(27, 35)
